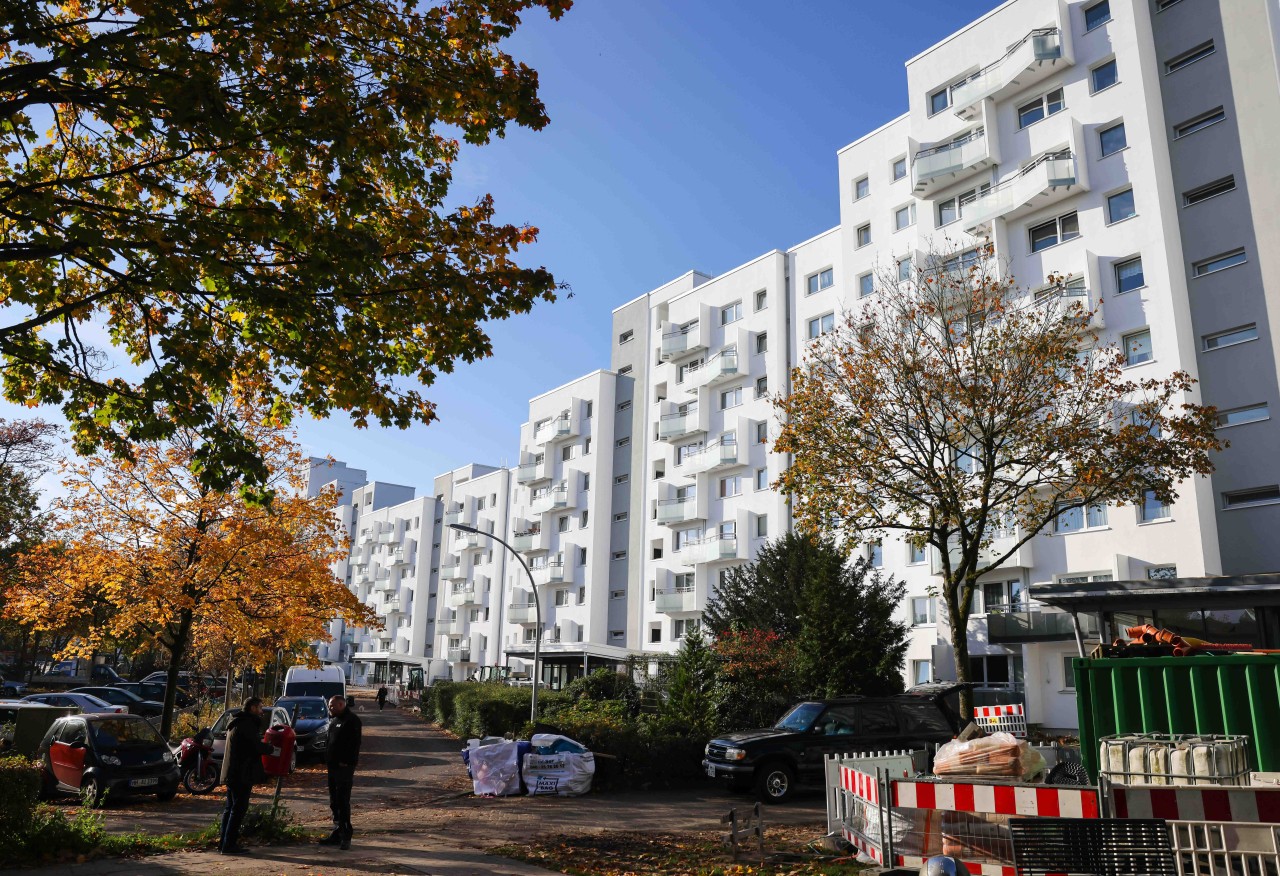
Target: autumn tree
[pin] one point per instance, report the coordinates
(959, 411)
(146, 553)
(205, 192)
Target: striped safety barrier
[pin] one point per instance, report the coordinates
(1011, 719)
(1225, 803)
(861, 818)
(860, 785)
(1047, 801)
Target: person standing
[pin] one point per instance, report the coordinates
(382, 697)
(240, 761)
(342, 753)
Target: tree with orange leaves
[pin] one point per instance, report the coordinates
(964, 413)
(144, 553)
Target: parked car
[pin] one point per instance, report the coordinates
(777, 759)
(190, 681)
(327, 681)
(310, 719)
(86, 703)
(12, 687)
(119, 697)
(150, 690)
(76, 673)
(273, 717)
(105, 756)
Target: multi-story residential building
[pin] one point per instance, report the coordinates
(472, 568)
(569, 489)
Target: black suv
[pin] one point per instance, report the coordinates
(790, 752)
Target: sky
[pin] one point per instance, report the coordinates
(685, 135)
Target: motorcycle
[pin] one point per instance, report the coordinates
(199, 773)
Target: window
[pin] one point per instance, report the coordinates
(1120, 206)
(582, 556)
(1137, 347)
(916, 554)
(619, 555)
(1209, 190)
(731, 313)
(1231, 337)
(762, 342)
(762, 526)
(730, 486)
(624, 406)
(762, 479)
(562, 524)
(655, 634)
(1042, 107)
(1103, 76)
(819, 281)
(1162, 5)
(904, 217)
(566, 453)
(939, 100)
(762, 387)
(922, 673)
(1199, 123)
(615, 634)
(820, 325)
(620, 516)
(923, 610)
(622, 478)
(875, 554)
(1097, 15)
(582, 521)
(626, 336)
(731, 398)
(1151, 508)
(1068, 672)
(1078, 518)
(1257, 496)
(1186, 59)
(861, 188)
(762, 299)
(1129, 275)
(586, 446)
(1220, 262)
(904, 270)
(623, 441)
(866, 285)
(864, 235)
(762, 433)
(900, 168)
(1240, 416)
(1112, 139)
(625, 369)
(1055, 231)
(589, 409)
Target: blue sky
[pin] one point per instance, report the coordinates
(684, 135)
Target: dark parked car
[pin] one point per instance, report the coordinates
(310, 716)
(106, 756)
(12, 687)
(120, 697)
(777, 759)
(150, 690)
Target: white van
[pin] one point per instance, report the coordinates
(327, 681)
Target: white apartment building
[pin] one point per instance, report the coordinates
(472, 568)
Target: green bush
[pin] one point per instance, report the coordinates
(438, 701)
(605, 684)
(19, 795)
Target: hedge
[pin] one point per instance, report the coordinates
(19, 795)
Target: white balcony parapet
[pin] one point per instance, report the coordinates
(400, 557)
(677, 510)
(551, 499)
(532, 472)
(1054, 172)
(554, 572)
(715, 548)
(528, 541)
(677, 424)
(947, 162)
(392, 605)
(451, 571)
(469, 540)
(1028, 60)
(459, 655)
(721, 454)
(557, 427)
(719, 368)
(522, 613)
(463, 596)
(456, 515)
(678, 599)
(681, 342)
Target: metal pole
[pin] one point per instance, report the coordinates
(537, 611)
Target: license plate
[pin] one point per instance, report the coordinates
(143, 783)
(711, 770)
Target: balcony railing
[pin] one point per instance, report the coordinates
(1053, 173)
(554, 499)
(532, 472)
(677, 510)
(1032, 622)
(522, 613)
(677, 599)
(452, 571)
(1074, 294)
(681, 341)
(1027, 61)
(456, 515)
(720, 367)
(400, 557)
(383, 585)
(387, 536)
(554, 572)
(528, 541)
(459, 596)
(721, 454)
(459, 655)
(468, 540)
(1001, 542)
(554, 429)
(714, 549)
(946, 162)
(392, 606)
(679, 423)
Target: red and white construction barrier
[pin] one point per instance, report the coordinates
(860, 785)
(1221, 804)
(1010, 719)
(861, 821)
(1047, 801)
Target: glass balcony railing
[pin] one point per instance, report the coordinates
(1026, 61)
(1031, 622)
(450, 571)
(722, 454)
(455, 515)
(677, 599)
(947, 161)
(522, 613)
(462, 596)
(554, 572)
(529, 540)
(677, 510)
(723, 366)
(679, 423)
(459, 655)
(1053, 173)
(554, 499)
(681, 341)
(555, 428)
(531, 472)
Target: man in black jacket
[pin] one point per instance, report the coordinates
(342, 752)
(239, 767)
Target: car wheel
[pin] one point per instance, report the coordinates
(775, 782)
(91, 792)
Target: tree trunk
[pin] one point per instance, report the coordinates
(958, 619)
(177, 651)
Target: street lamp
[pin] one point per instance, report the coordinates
(537, 610)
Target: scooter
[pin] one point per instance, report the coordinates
(195, 763)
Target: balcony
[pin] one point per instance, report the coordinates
(532, 472)
(455, 627)
(554, 572)
(676, 600)
(460, 596)
(387, 536)
(712, 550)
(455, 515)
(364, 578)
(1022, 558)
(681, 342)
(393, 606)
(530, 541)
(557, 498)
(401, 557)
(452, 572)
(1070, 295)
(459, 655)
(1032, 622)
(721, 367)
(554, 429)
(680, 423)
(722, 454)
(950, 162)
(384, 585)
(469, 541)
(1047, 180)
(525, 614)
(1029, 60)
(678, 510)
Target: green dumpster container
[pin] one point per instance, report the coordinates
(1236, 694)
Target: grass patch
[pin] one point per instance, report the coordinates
(789, 852)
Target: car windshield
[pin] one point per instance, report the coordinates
(800, 718)
(124, 733)
(306, 708)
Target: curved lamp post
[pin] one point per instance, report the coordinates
(537, 610)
